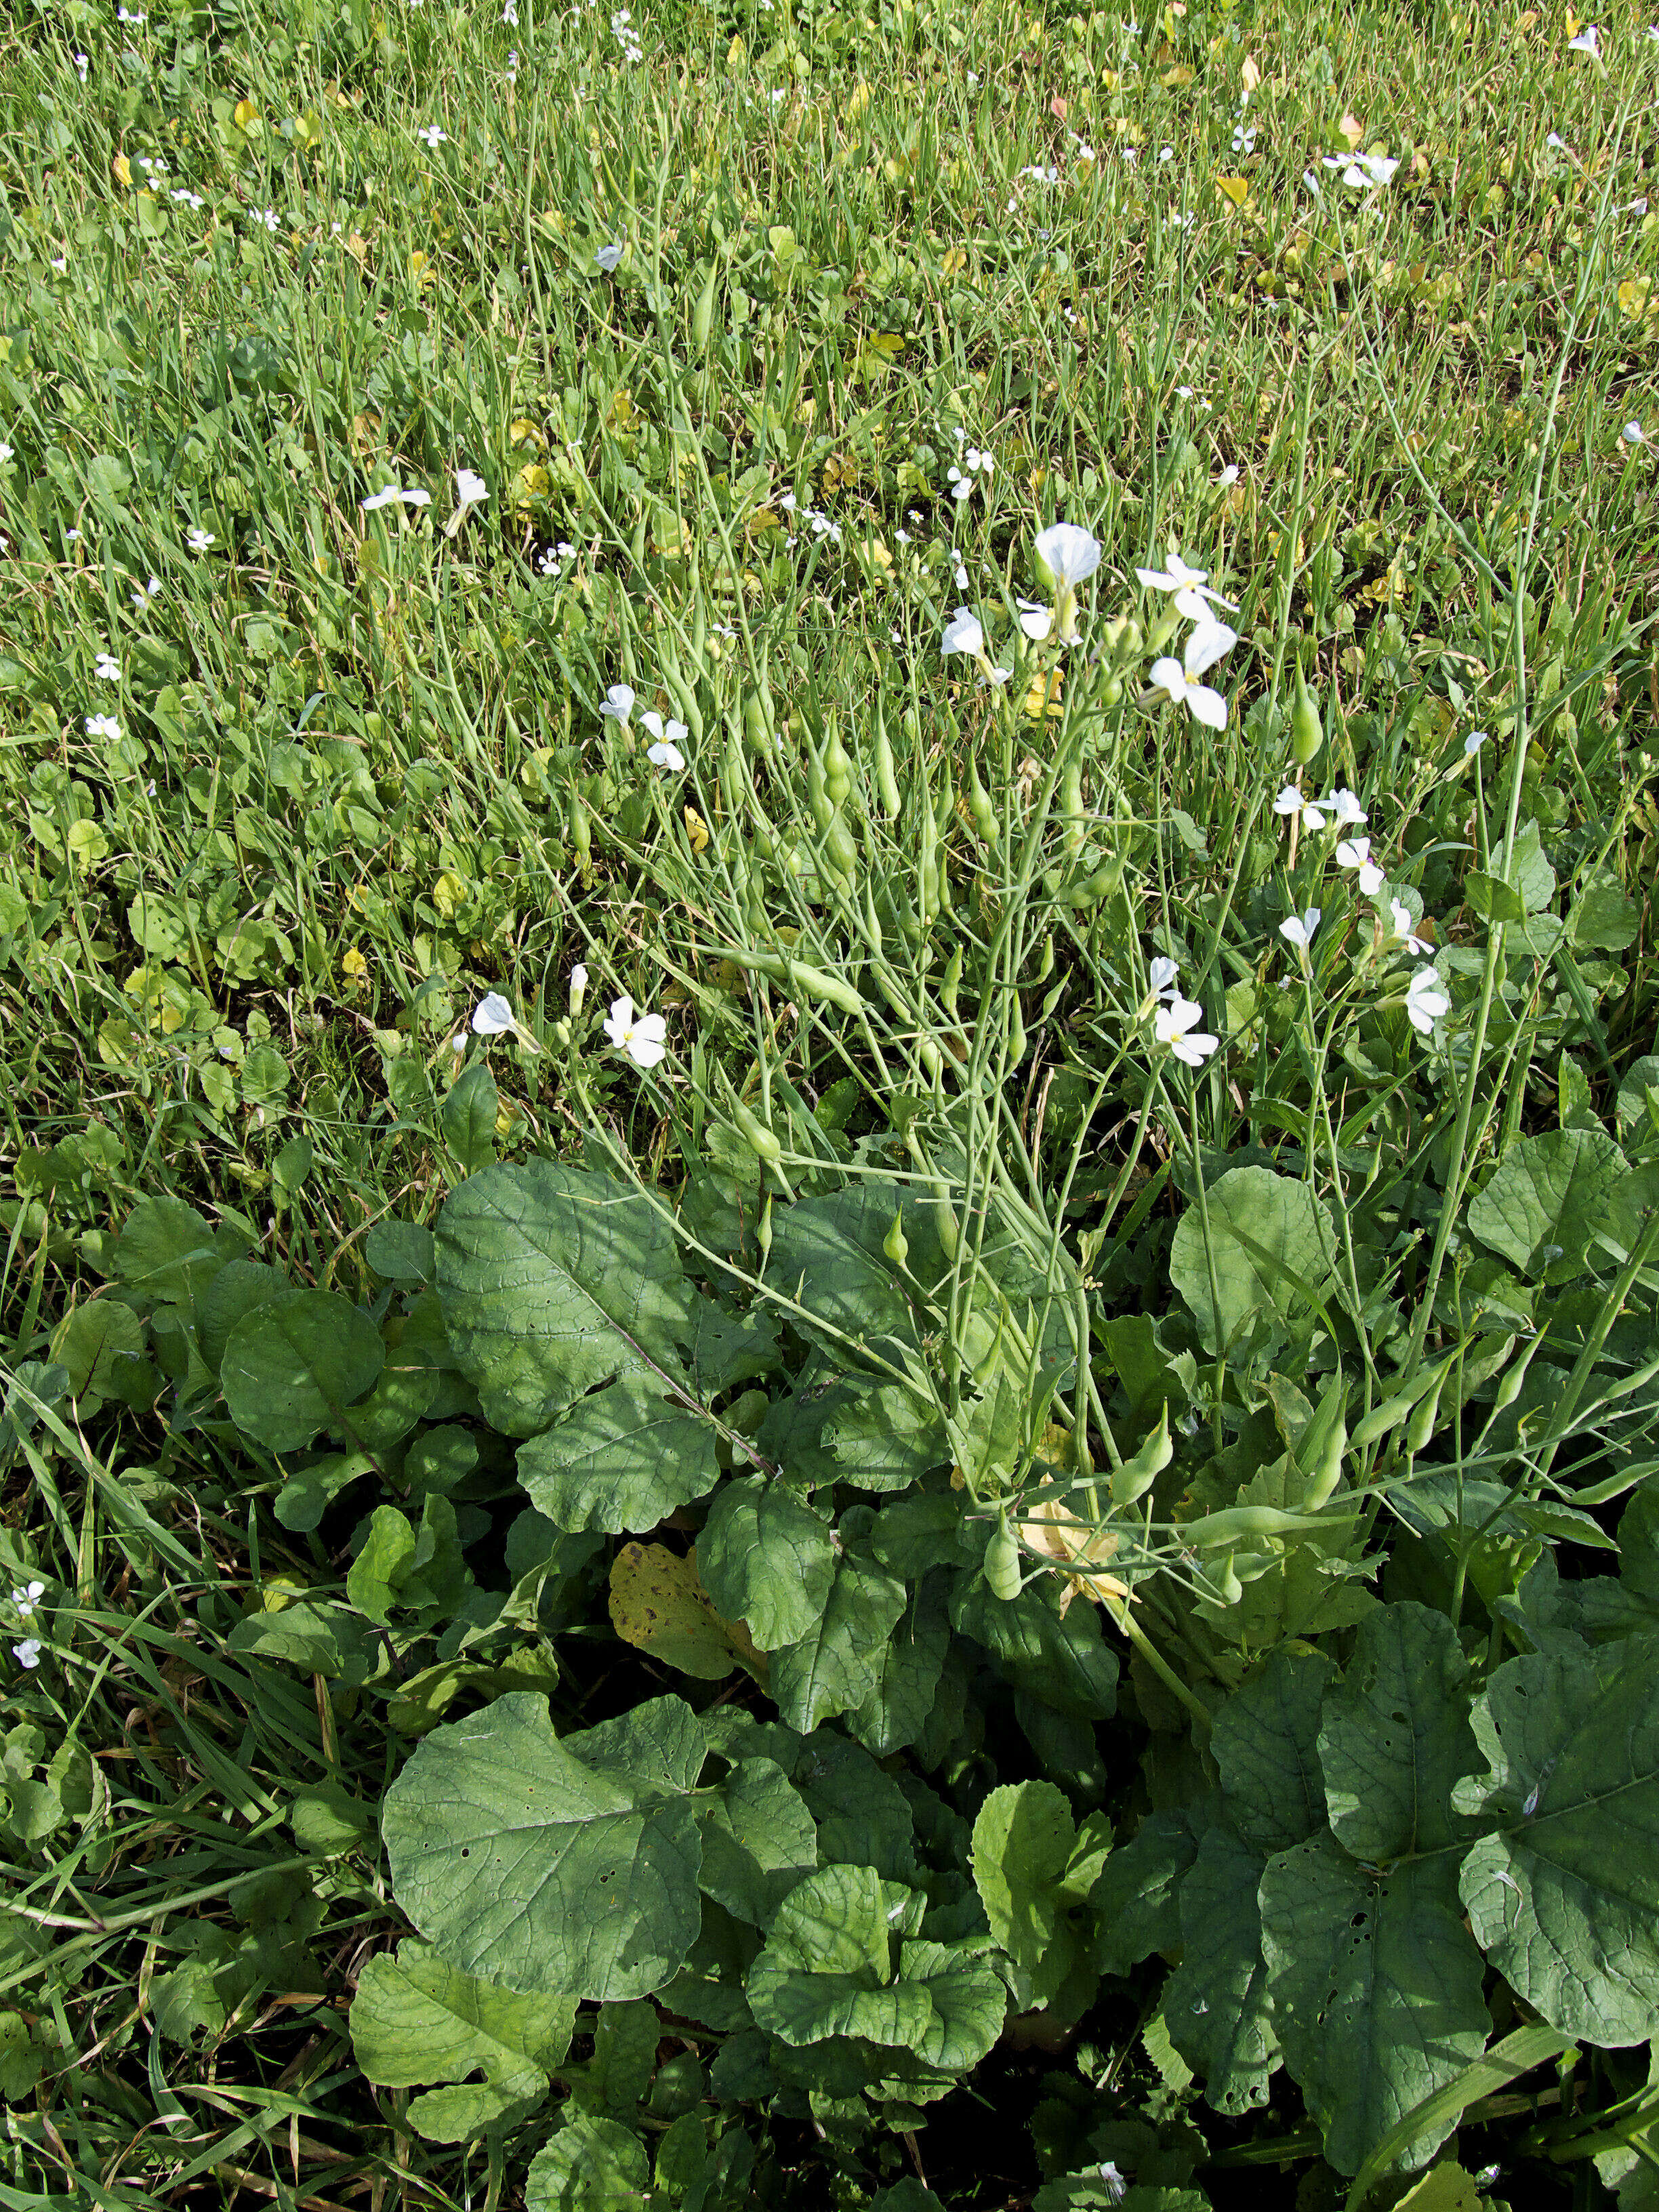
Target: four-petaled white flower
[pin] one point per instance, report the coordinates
(578, 986)
(434, 135)
(1070, 555)
(1174, 1025)
(5, 453)
(964, 632)
(389, 495)
(617, 703)
(198, 539)
(1426, 1001)
(145, 593)
(104, 725)
(108, 670)
(1290, 801)
(470, 489)
(1191, 587)
(494, 1017)
(1473, 742)
(1633, 434)
(1363, 172)
(27, 1653)
(1344, 808)
(643, 1037)
(1034, 619)
(1112, 2181)
(1203, 648)
(608, 257)
(1298, 929)
(1405, 929)
(1161, 977)
(664, 753)
(1587, 41)
(24, 1597)
(1356, 853)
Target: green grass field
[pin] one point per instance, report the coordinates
(1127, 1432)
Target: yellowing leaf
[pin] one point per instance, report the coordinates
(954, 261)
(696, 829)
(1236, 189)
(521, 431)
(858, 100)
(658, 1605)
(448, 894)
(890, 342)
(534, 481)
(420, 271)
(1353, 131)
(243, 113)
(1043, 698)
(1633, 296)
(1250, 76)
(354, 967)
(123, 169)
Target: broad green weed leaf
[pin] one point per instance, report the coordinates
(1545, 1200)
(547, 1864)
(618, 2076)
(863, 1816)
(826, 1968)
(294, 1368)
(554, 1279)
(1061, 1659)
(99, 1345)
(1216, 2003)
(912, 1662)
(1265, 1741)
(968, 1998)
(1137, 1897)
(833, 1247)
(1271, 1236)
(1395, 1739)
(402, 1252)
(837, 1665)
(767, 1558)
(467, 1117)
(1375, 1984)
(1564, 1894)
(316, 1637)
(1022, 1843)
(416, 2020)
(382, 1565)
(239, 1287)
(885, 1439)
(591, 2165)
(1604, 918)
(166, 1252)
(759, 1840)
(621, 1460)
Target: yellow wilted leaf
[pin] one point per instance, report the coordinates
(736, 54)
(354, 967)
(1181, 74)
(696, 829)
(954, 261)
(534, 481)
(621, 410)
(507, 1117)
(357, 247)
(1047, 1531)
(420, 271)
(1250, 76)
(243, 113)
(1238, 189)
(123, 169)
(1043, 697)
(858, 100)
(1633, 296)
(521, 431)
(658, 1605)
(447, 895)
(1353, 131)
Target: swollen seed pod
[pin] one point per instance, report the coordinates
(837, 769)
(1136, 1476)
(1002, 1571)
(1015, 1031)
(684, 697)
(1425, 1412)
(759, 1140)
(823, 813)
(839, 843)
(1071, 804)
(887, 788)
(945, 1224)
(949, 981)
(1327, 1469)
(702, 315)
(895, 1243)
(1250, 1566)
(980, 807)
(763, 1229)
(1228, 1588)
(1306, 734)
(1213, 1530)
(579, 833)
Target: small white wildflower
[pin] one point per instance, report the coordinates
(82, 63)
(1634, 434)
(1036, 619)
(27, 1653)
(198, 539)
(1174, 1025)
(964, 633)
(617, 703)
(432, 134)
(104, 725)
(1298, 929)
(1344, 808)
(1406, 930)
(24, 1597)
(1587, 42)
(469, 490)
(1191, 587)
(1356, 853)
(1425, 1000)
(1473, 742)
(578, 986)
(608, 257)
(1179, 678)
(643, 1037)
(494, 1017)
(1161, 977)
(108, 670)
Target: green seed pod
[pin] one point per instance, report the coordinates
(943, 900)
(1070, 805)
(927, 867)
(1228, 1588)
(580, 832)
(871, 918)
(980, 808)
(683, 695)
(760, 720)
(817, 793)
(1045, 962)
(887, 788)
(759, 1140)
(1136, 1476)
(1306, 734)
(1425, 1412)
(702, 315)
(1002, 1561)
(945, 1223)
(763, 1229)
(1015, 1031)
(1111, 689)
(841, 846)
(1213, 1530)
(1250, 1566)
(837, 769)
(949, 981)
(1321, 1449)
(895, 1243)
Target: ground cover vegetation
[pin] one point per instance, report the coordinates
(827, 961)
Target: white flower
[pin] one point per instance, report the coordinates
(27, 1653)
(391, 494)
(618, 703)
(510, 13)
(1190, 586)
(144, 593)
(494, 1017)
(578, 986)
(666, 753)
(1035, 620)
(469, 490)
(1556, 142)
(1228, 478)
(1356, 853)
(1426, 1001)
(1203, 648)
(1586, 42)
(104, 725)
(1161, 977)
(961, 486)
(270, 220)
(1070, 554)
(1632, 434)
(1473, 742)
(1405, 929)
(434, 135)
(1344, 808)
(608, 257)
(1298, 929)
(1174, 1025)
(5, 453)
(651, 722)
(643, 1037)
(1290, 801)
(198, 539)
(24, 1598)
(82, 63)
(1363, 172)
(1115, 2186)
(108, 670)
(964, 634)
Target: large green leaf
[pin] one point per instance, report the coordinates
(166, 1252)
(827, 1965)
(415, 2020)
(837, 1665)
(622, 1460)
(591, 2165)
(1137, 1896)
(548, 1864)
(1564, 1894)
(1023, 1842)
(968, 2000)
(1061, 1659)
(897, 1710)
(1216, 2003)
(863, 1816)
(293, 1368)
(1546, 1199)
(766, 1558)
(833, 1247)
(554, 1279)
(1395, 1737)
(885, 1438)
(1375, 1984)
(758, 1841)
(1266, 1743)
(1269, 1236)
